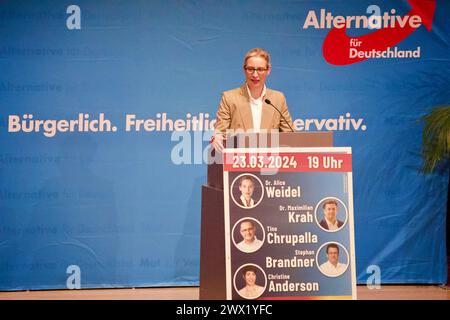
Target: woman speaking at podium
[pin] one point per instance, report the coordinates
(252, 107)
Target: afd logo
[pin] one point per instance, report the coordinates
(340, 49)
(73, 21)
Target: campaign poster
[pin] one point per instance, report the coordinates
(289, 223)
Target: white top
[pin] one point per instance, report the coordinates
(249, 247)
(244, 202)
(256, 106)
(332, 226)
(251, 292)
(330, 270)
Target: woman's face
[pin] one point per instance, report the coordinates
(250, 278)
(254, 79)
(247, 188)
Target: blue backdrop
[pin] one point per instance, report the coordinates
(117, 207)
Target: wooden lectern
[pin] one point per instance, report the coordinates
(212, 242)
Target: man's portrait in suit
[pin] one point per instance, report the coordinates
(330, 221)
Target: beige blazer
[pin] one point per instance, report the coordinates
(235, 111)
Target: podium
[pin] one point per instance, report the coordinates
(212, 242)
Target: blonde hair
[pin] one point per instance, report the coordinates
(257, 52)
(246, 178)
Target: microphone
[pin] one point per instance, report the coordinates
(270, 103)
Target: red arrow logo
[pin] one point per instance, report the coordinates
(336, 46)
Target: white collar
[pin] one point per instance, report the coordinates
(252, 202)
(331, 224)
(250, 95)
